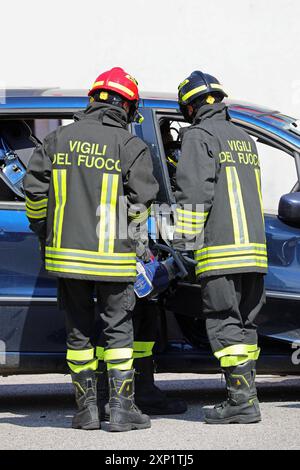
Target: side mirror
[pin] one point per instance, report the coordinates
(289, 209)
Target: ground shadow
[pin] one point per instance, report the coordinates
(52, 405)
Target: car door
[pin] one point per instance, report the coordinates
(279, 320)
(30, 323)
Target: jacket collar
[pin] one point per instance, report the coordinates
(104, 113)
(215, 111)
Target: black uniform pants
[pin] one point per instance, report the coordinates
(115, 303)
(231, 304)
(145, 327)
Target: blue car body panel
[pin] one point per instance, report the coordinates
(25, 286)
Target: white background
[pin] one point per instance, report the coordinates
(252, 46)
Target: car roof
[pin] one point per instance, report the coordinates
(56, 100)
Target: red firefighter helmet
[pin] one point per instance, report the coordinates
(119, 81)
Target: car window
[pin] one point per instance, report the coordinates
(18, 139)
(42, 127)
(150, 134)
(278, 169)
(278, 174)
(170, 144)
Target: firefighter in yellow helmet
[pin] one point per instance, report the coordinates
(220, 223)
(79, 185)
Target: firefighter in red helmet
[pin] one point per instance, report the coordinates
(75, 205)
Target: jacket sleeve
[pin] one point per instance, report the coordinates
(195, 178)
(141, 186)
(36, 186)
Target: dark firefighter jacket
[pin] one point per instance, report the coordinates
(219, 203)
(75, 187)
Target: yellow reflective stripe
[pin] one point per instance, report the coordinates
(121, 87)
(234, 350)
(252, 347)
(254, 355)
(77, 368)
(141, 217)
(236, 229)
(108, 204)
(241, 206)
(112, 213)
(232, 254)
(98, 84)
(60, 190)
(92, 265)
(190, 226)
(236, 246)
(195, 215)
(240, 228)
(99, 270)
(92, 273)
(100, 353)
(182, 84)
(229, 260)
(80, 355)
(40, 214)
(142, 349)
(56, 190)
(130, 262)
(172, 161)
(103, 211)
(62, 209)
(232, 361)
(117, 354)
(193, 92)
(126, 365)
(190, 222)
(143, 345)
(35, 205)
(260, 264)
(140, 355)
(258, 183)
(87, 252)
(217, 86)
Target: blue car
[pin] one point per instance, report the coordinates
(32, 334)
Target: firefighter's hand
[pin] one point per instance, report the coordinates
(143, 251)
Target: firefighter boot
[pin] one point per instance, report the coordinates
(102, 391)
(87, 416)
(242, 404)
(124, 414)
(148, 397)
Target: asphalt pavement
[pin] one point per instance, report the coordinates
(36, 413)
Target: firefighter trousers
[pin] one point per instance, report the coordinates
(231, 304)
(145, 326)
(115, 302)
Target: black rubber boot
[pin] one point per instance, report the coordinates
(148, 397)
(87, 416)
(102, 392)
(242, 404)
(124, 414)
